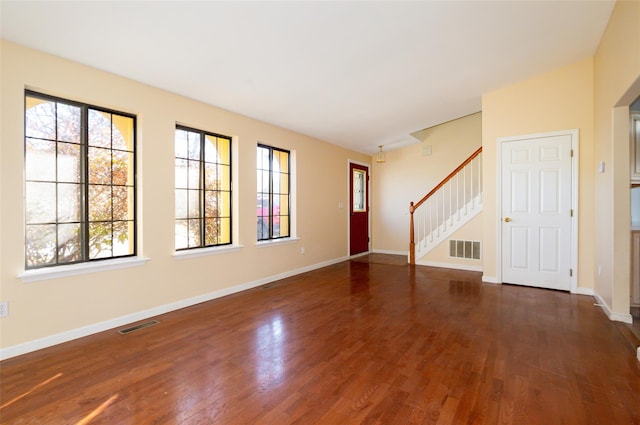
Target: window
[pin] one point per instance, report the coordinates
(273, 193)
(80, 182)
(203, 189)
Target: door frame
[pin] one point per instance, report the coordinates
(348, 207)
(574, 200)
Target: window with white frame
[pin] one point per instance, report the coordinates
(202, 189)
(80, 193)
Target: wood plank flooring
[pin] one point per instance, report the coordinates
(366, 341)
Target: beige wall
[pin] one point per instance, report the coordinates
(45, 308)
(559, 100)
(616, 84)
(407, 176)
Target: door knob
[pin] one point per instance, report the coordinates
(507, 219)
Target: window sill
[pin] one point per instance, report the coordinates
(78, 269)
(203, 252)
(273, 242)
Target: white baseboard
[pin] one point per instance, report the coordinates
(618, 317)
(490, 279)
(59, 338)
(583, 291)
(388, 251)
(468, 267)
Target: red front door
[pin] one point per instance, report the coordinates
(359, 209)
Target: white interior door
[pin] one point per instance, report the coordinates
(536, 212)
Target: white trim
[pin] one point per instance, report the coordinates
(81, 268)
(203, 252)
(59, 338)
(490, 279)
(468, 267)
(583, 291)
(362, 254)
(274, 242)
(575, 142)
(618, 317)
(388, 251)
(638, 354)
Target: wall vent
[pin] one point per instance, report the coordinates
(138, 327)
(464, 249)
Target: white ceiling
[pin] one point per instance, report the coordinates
(357, 74)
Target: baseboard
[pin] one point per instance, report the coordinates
(468, 267)
(583, 291)
(490, 279)
(388, 251)
(618, 317)
(59, 338)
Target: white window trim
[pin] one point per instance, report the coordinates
(204, 252)
(279, 241)
(34, 275)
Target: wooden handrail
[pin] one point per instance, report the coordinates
(413, 207)
(449, 177)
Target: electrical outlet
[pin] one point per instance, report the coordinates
(4, 308)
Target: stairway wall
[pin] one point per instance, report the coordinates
(407, 175)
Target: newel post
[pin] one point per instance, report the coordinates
(412, 244)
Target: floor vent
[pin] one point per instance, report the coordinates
(138, 327)
(464, 249)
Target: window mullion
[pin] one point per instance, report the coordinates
(201, 193)
(270, 193)
(84, 183)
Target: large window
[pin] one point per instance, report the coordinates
(80, 182)
(203, 189)
(273, 193)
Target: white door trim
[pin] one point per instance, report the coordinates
(574, 199)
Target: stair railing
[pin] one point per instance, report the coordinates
(449, 197)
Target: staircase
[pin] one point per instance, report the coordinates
(451, 204)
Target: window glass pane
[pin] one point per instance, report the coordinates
(69, 248)
(69, 163)
(263, 158)
(265, 182)
(263, 228)
(224, 235)
(284, 205)
(122, 132)
(99, 166)
(40, 245)
(211, 181)
(181, 144)
(224, 174)
(194, 174)
(68, 123)
(99, 203)
(181, 203)
(211, 231)
(211, 149)
(99, 129)
(122, 168)
(69, 198)
(40, 160)
(225, 204)
(194, 204)
(182, 234)
(359, 191)
(40, 203)
(284, 186)
(181, 173)
(211, 204)
(194, 145)
(40, 118)
(284, 162)
(224, 151)
(284, 226)
(123, 238)
(194, 233)
(122, 203)
(100, 242)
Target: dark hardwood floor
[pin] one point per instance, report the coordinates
(367, 341)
